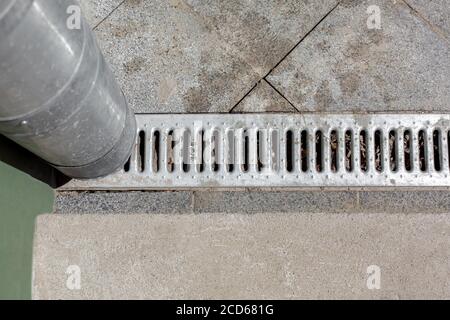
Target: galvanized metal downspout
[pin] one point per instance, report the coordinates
(58, 98)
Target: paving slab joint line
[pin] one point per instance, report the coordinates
(282, 59)
(108, 15)
(430, 25)
(301, 40)
(278, 91)
(245, 96)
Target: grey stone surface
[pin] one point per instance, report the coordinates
(262, 32)
(123, 202)
(345, 66)
(263, 98)
(314, 201)
(264, 256)
(278, 201)
(436, 12)
(168, 60)
(96, 10)
(405, 201)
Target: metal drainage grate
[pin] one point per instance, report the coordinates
(268, 150)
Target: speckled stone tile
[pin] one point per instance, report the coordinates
(132, 202)
(168, 60)
(96, 10)
(262, 32)
(251, 202)
(436, 12)
(263, 98)
(405, 201)
(345, 66)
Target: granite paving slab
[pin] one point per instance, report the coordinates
(345, 66)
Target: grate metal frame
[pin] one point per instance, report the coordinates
(268, 151)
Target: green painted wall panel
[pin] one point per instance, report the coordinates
(22, 198)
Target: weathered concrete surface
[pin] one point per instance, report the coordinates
(96, 10)
(123, 202)
(262, 32)
(168, 60)
(345, 66)
(262, 256)
(436, 12)
(263, 98)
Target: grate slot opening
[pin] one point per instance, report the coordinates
(170, 151)
(349, 150)
(215, 145)
(363, 150)
(422, 151)
(198, 151)
(319, 151)
(126, 167)
(289, 151)
(448, 147)
(259, 151)
(407, 150)
(393, 151)
(437, 150)
(245, 164)
(334, 147)
(304, 150)
(230, 151)
(187, 152)
(378, 150)
(275, 150)
(141, 149)
(156, 150)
